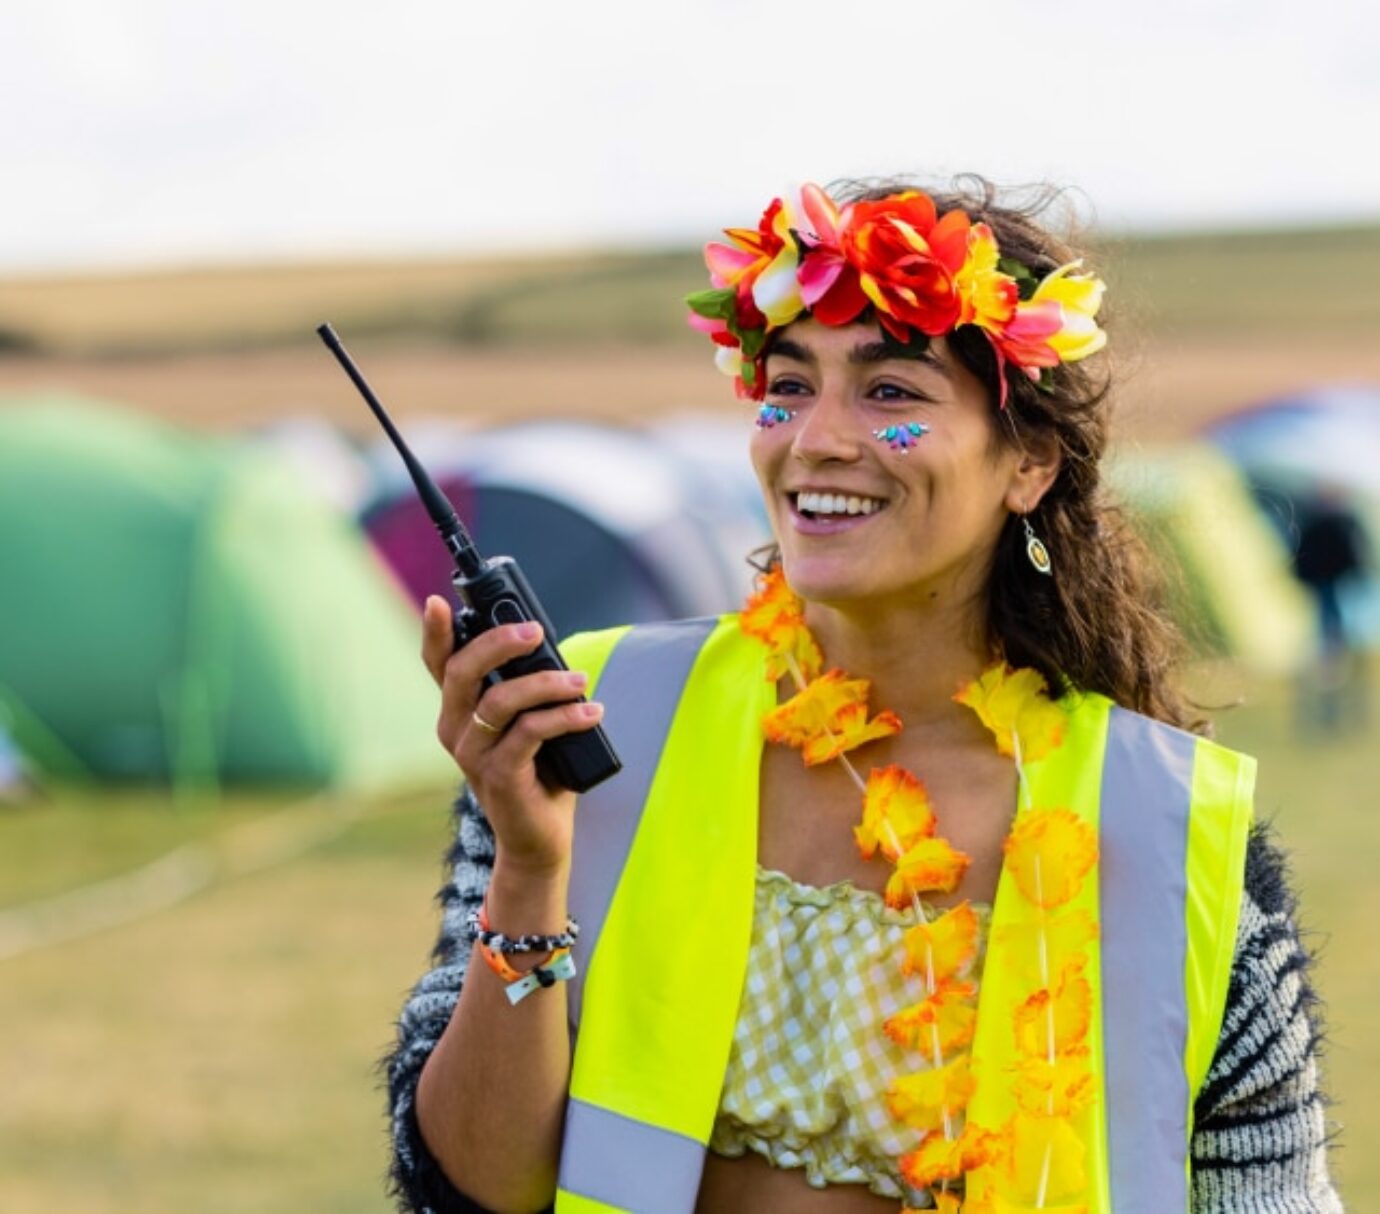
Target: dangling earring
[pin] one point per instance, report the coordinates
(1035, 548)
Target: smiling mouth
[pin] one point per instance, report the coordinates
(824, 506)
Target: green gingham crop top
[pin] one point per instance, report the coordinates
(810, 1063)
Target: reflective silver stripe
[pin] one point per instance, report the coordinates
(1147, 785)
(628, 1164)
(640, 689)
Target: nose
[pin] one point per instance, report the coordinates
(829, 431)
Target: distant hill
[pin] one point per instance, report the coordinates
(1276, 284)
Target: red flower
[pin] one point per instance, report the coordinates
(908, 261)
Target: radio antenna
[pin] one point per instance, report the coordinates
(453, 533)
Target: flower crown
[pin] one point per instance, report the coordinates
(923, 273)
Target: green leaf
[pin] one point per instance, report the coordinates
(716, 303)
(753, 340)
(1026, 282)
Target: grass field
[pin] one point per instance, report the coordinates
(1201, 324)
(219, 1056)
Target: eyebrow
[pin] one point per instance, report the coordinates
(866, 354)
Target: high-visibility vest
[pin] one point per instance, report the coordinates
(663, 879)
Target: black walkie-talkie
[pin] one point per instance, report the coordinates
(494, 592)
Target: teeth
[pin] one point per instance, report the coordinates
(837, 503)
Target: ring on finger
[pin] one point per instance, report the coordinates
(487, 726)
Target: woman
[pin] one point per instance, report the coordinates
(1050, 966)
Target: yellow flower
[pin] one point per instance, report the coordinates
(921, 1100)
(1049, 853)
(828, 718)
(997, 1204)
(1070, 1002)
(940, 1158)
(896, 813)
(1066, 934)
(987, 296)
(1079, 296)
(945, 944)
(1014, 702)
(931, 866)
(775, 615)
(776, 290)
(1062, 1088)
(948, 1014)
(1045, 1148)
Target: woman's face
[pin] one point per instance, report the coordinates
(925, 522)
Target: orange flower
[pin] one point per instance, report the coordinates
(946, 943)
(921, 1100)
(1014, 702)
(907, 259)
(1071, 1000)
(1049, 853)
(948, 1013)
(1065, 934)
(896, 813)
(775, 615)
(931, 866)
(940, 1158)
(828, 718)
(1062, 1088)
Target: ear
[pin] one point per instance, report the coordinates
(1035, 471)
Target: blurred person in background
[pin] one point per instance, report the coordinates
(1332, 559)
(985, 923)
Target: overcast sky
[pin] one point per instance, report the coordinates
(163, 131)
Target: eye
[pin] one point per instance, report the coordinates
(892, 392)
(787, 385)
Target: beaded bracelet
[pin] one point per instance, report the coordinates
(477, 926)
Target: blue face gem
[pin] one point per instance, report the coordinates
(773, 415)
(901, 438)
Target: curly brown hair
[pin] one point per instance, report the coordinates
(1099, 624)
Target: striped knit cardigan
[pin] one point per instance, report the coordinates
(1260, 1135)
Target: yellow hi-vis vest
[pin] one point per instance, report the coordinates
(662, 884)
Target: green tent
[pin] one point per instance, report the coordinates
(180, 608)
(1235, 594)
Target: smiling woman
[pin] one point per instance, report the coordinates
(1005, 940)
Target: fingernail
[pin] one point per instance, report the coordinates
(591, 711)
(529, 631)
(577, 679)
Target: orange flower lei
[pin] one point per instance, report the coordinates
(1035, 1159)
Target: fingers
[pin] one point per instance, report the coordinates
(461, 676)
(438, 636)
(520, 741)
(500, 705)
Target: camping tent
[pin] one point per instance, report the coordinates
(1309, 451)
(1234, 594)
(610, 525)
(176, 607)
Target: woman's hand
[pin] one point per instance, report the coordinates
(533, 824)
